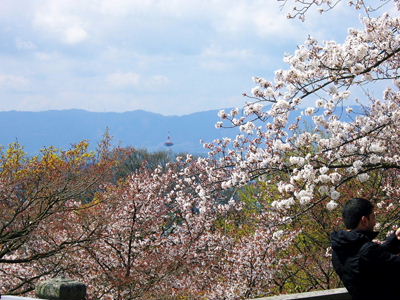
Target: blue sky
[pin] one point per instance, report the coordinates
(172, 57)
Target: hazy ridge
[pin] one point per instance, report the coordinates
(140, 129)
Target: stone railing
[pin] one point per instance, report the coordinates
(56, 289)
(65, 289)
(334, 294)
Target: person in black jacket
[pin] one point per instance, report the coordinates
(369, 270)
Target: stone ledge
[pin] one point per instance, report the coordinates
(333, 294)
(6, 297)
(61, 289)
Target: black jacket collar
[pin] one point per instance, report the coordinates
(369, 234)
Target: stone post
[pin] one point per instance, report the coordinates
(61, 289)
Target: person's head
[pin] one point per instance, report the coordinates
(358, 213)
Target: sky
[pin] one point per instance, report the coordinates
(172, 57)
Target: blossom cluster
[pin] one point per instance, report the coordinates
(340, 137)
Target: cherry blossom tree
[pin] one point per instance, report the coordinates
(310, 138)
(41, 204)
(318, 132)
(157, 222)
(164, 237)
(172, 233)
(352, 133)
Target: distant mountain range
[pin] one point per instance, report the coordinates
(139, 129)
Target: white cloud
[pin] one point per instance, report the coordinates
(260, 17)
(44, 56)
(171, 8)
(158, 80)
(73, 22)
(217, 59)
(215, 65)
(131, 79)
(214, 51)
(74, 35)
(123, 79)
(12, 81)
(189, 55)
(24, 45)
(63, 20)
(264, 17)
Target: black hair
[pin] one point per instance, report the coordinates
(354, 210)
